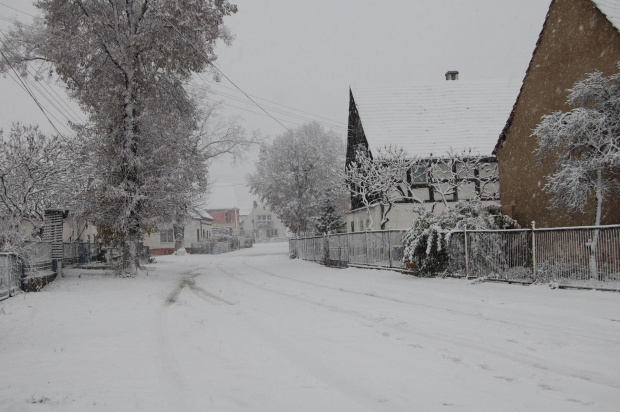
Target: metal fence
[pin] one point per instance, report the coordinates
(37, 256)
(10, 275)
(80, 252)
(377, 248)
(575, 256)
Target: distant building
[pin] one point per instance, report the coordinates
(427, 120)
(197, 229)
(226, 221)
(577, 38)
(262, 225)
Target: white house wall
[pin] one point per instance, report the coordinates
(190, 235)
(401, 216)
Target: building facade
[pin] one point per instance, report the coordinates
(262, 225)
(577, 38)
(431, 122)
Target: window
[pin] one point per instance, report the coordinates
(166, 236)
(228, 217)
(352, 227)
(272, 232)
(418, 174)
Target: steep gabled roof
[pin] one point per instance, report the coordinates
(434, 118)
(611, 9)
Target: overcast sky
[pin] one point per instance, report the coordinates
(297, 59)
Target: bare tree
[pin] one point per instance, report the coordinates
(381, 181)
(462, 174)
(586, 142)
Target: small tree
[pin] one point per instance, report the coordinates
(330, 219)
(586, 141)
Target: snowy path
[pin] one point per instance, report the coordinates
(253, 330)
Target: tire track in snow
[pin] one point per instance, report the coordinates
(539, 364)
(543, 328)
(202, 293)
(333, 379)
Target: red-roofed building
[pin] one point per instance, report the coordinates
(226, 220)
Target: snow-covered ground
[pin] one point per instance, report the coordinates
(252, 330)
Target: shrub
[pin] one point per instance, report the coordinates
(427, 241)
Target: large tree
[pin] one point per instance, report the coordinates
(127, 63)
(294, 171)
(586, 143)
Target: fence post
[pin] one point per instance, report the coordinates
(533, 251)
(389, 248)
(326, 249)
(366, 240)
(466, 253)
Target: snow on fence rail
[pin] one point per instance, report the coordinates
(586, 256)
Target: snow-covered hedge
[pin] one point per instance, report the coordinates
(427, 241)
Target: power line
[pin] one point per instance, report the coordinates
(217, 68)
(45, 94)
(250, 111)
(25, 87)
(333, 126)
(270, 101)
(17, 10)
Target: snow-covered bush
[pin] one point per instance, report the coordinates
(427, 241)
(330, 219)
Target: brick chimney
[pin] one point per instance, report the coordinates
(452, 75)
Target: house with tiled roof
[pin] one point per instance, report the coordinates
(427, 121)
(578, 37)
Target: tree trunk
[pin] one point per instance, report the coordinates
(594, 241)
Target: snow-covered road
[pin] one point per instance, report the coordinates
(252, 330)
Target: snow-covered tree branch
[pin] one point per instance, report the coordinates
(380, 181)
(462, 175)
(35, 174)
(586, 142)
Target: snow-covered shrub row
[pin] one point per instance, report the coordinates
(426, 242)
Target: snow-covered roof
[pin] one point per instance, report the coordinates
(436, 117)
(202, 215)
(611, 9)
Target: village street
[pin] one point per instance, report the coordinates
(252, 330)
